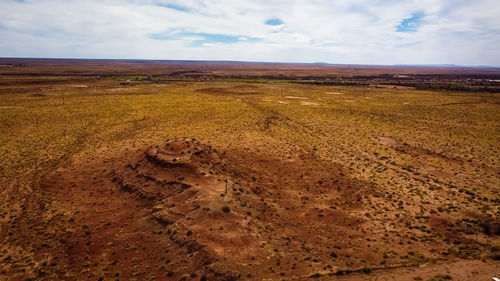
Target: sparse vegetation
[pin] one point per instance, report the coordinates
(358, 179)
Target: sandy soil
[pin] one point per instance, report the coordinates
(101, 185)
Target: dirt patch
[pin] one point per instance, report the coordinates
(11, 107)
(388, 141)
(79, 86)
(308, 103)
(294, 97)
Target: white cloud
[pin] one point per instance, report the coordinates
(355, 31)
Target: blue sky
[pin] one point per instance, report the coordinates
(201, 39)
(334, 31)
(274, 22)
(171, 5)
(412, 23)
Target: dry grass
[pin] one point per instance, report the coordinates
(437, 179)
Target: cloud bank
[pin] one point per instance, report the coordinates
(341, 31)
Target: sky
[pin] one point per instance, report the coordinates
(384, 32)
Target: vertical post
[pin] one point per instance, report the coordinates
(63, 98)
(36, 121)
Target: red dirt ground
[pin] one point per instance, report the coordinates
(182, 210)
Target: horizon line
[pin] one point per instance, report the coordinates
(444, 65)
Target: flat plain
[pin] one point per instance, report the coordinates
(137, 170)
